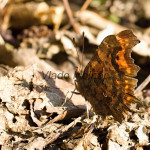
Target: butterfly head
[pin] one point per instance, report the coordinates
(78, 72)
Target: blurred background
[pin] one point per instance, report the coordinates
(45, 29)
(41, 113)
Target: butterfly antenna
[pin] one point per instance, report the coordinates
(77, 51)
(82, 54)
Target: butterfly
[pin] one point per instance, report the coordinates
(107, 81)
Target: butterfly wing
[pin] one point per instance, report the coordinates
(107, 81)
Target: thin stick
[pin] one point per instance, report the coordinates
(87, 109)
(85, 5)
(70, 16)
(142, 86)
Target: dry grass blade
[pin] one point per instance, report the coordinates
(85, 5)
(142, 86)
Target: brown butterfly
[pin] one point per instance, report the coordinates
(107, 81)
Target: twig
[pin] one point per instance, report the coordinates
(85, 5)
(69, 13)
(142, 86)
